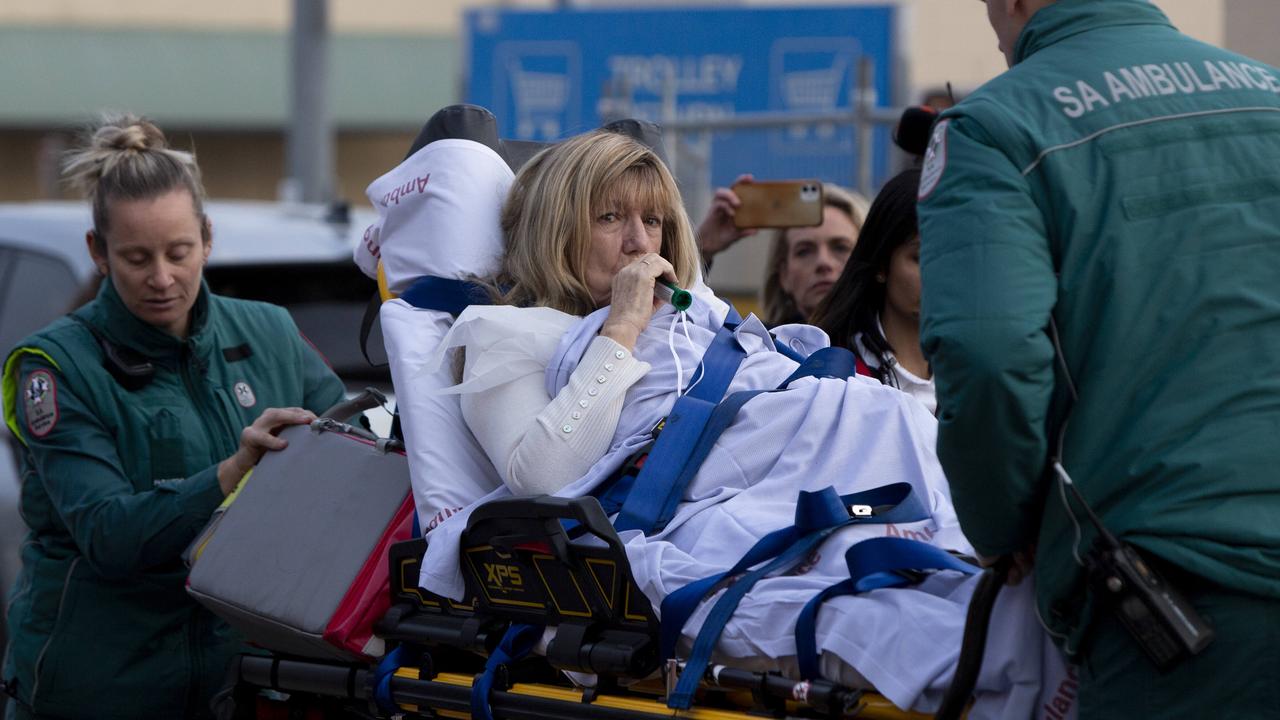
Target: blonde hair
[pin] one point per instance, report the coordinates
(126, 157)
(778, 306)
(552, 205)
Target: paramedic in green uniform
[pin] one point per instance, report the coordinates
(1123, 180)
(136, 416)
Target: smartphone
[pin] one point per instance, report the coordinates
(779, 204)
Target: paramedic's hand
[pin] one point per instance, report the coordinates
(256, 440)
(632, 302)
(1020, 564)
(717, 231)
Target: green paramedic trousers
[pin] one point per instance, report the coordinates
(1236, 677)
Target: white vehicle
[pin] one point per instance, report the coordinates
(295, 256)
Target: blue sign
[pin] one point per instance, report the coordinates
(551, 74)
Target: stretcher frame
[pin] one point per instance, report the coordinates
(446, 640)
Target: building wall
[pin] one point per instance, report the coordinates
(21, 152)
(945, 40)
(249, 164)
(1251, 28)
(357, 16)
(235, 164)
(408, 51)
(950, 40)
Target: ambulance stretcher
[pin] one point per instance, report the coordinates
(521, 566)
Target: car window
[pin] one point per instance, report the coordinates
(327, 301)
(34, 289)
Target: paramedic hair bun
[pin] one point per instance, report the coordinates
(127, 157)
(123, 142)
(139, 134)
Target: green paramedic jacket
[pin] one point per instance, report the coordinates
(1124, 180)
(115, 484)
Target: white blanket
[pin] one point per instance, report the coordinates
(438, 216)
(855, 435)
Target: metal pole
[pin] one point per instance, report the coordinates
(310, 138)
(768, 119)
(864, 110)
(669, 117)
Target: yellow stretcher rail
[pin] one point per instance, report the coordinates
(448, 694)
(873, 706)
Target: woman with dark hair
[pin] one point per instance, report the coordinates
(874, 308)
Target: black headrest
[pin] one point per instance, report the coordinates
(463, 122)
(472, 122)
(518, 152)
(646, 133)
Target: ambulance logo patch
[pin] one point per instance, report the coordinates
(40, 403)
(244, 394)
(935, 160)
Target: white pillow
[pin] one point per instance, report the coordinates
(437, 214)
(447, 467)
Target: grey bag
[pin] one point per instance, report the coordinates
(298, 562)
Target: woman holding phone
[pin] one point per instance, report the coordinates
(804, 262)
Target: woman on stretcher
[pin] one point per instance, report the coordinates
(563, 380)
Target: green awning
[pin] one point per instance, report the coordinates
(59, 76)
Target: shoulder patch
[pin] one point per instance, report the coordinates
(935, 160)
(244, 394)
(40, 402)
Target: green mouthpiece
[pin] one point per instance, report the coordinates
(679, 298)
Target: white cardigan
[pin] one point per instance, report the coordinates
(537, 443)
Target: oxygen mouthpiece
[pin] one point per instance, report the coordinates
(679, 298)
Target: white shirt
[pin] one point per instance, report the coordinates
(916, 387)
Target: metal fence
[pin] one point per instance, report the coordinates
(696, 144)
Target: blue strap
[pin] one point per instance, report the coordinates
(787, 351)
(873, 564)
(892, 503)
(674, 461)
(827, 362)
(611, 500)
(814, 511)
(614, 493)
(657, 479)
(444, 294)
(386, 670)
(818, 515)
(732, 319)
(391, 662)
(724, 608)
(515, 644)
(721, 418)
(611, 496)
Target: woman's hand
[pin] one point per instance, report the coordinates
(717, 231)
(632, 302)
(256, 440)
